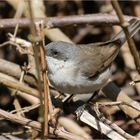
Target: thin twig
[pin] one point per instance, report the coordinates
(20, 120)
(103, 104)
(26, 109)
(16, 101)
(18, 14)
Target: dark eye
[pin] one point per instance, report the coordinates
(54, 52)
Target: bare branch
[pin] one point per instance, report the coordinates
(16, 85)
(51, 22)
(15, 70)
(40, 32)
(36, 125)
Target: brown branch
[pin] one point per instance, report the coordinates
(130, 41)
(15, 70)
(34, 39)
(20, 120)
(40, 32)
(36, 125)
(97, 19)
(4, 80)
(11, 70)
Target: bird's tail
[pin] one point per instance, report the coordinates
(134, 26)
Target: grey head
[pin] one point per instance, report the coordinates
(62, 50)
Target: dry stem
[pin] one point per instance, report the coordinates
(40, 32)
(51, 22)
(36, 125)
(16, 85)
(35, 38)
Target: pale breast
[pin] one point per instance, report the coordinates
(66, 81)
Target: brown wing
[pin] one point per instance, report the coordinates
(97, 57)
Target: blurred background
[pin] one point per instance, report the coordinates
(80, 34)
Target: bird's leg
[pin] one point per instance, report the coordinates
(67, 103)
(85, 106)
(68, 98)
(93, 95)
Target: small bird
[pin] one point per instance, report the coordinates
(77, 69)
